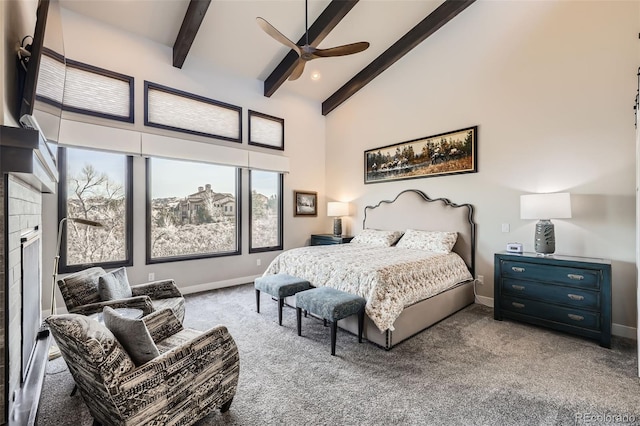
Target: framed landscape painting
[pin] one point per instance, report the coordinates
(305, 203)
(443, 154)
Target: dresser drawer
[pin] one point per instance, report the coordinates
(576, 277)
(570, 296)
(575, 317)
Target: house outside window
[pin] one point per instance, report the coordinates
(192, 210)
(96, 186)
(265, 228)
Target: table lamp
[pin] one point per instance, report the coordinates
(545, 207)
(336, 210)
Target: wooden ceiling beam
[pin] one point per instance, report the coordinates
(429, 25)
(327, 21)
(188, 30)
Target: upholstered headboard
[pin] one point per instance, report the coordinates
(413, 209)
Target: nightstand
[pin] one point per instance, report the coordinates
(566, 293)
(326, 239)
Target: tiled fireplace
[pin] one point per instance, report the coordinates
(26, 173)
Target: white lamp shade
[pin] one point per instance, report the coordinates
(335, 208)
(545, 206)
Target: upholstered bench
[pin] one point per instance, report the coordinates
(279, 286)
(331, 305)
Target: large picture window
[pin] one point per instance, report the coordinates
(265, 232)
(192, 210)
(95, 186)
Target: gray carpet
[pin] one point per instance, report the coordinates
(465, 370)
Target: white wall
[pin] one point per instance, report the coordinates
(550, 85)
(103, 46)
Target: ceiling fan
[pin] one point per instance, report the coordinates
(308, 52)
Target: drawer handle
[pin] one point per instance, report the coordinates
(576, 317)
(517, 269)
(517, 287)
(517, 305)
(575, 277)
(575, 296)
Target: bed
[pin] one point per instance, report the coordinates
(404, 295)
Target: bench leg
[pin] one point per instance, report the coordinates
(334, 331)
(360, 324)
(299, 319)
(280, 306)
(257, 301)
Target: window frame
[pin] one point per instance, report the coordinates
(152, 261)
(280, 217)
(62, 213)
(105, 73)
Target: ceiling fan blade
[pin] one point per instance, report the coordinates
(346, 49)
(298, 70)
(277, 35)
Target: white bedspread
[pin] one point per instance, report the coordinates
(390, 278)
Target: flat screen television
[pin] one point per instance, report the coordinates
(43, 87)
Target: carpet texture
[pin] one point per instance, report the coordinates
(466, 370)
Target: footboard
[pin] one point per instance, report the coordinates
(416, 317)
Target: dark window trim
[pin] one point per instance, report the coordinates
(267, 117)
(56, 57)
(62, 213)
(280, 218)
(151, 261)
(149, 85)
(106, 73)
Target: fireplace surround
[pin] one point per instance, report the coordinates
(27, 170)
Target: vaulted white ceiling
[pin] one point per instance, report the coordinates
(230, 38)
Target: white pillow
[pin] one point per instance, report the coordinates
(435, 241)
(114, 285)
(376, 237)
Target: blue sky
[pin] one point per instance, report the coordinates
(172, 178)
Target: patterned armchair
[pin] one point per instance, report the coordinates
(195, 373)
(81, 296)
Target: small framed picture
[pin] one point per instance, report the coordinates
(306, 203)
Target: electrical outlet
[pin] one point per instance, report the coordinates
(258, 262)
(480, 279)
(505, 227)
(152, 276)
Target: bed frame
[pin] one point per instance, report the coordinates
(413, 209)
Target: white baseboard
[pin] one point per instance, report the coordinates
(218, 284)
(186, 290)
(624, 331)
(484, 300)
(616, 329)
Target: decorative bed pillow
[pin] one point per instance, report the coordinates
(435, 241)
(132, 334)
(114, 285)
(376, 237)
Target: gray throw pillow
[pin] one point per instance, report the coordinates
(132, 334)
(114, 285)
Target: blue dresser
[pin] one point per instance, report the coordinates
(566, 293)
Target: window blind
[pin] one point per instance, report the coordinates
(180, 111)
(98, 92)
